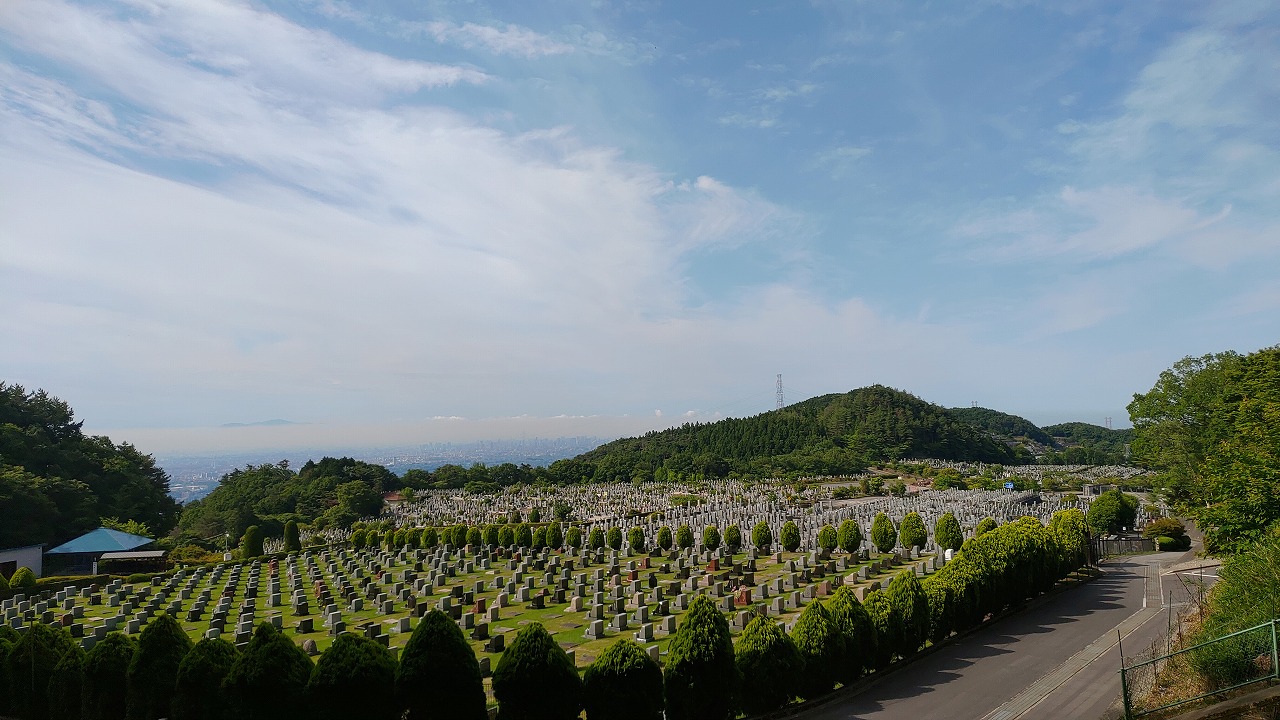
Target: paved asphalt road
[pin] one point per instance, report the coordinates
(1056, 660)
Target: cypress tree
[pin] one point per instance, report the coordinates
(438, 677)
(711, 537)
(31, 664)
(912, 533)
(555, 536)
(623, 683)
(153, 672)
(827, 538)
(251, 542)
(292, 541)
(665, 539)
(197, 693)
(821, 646)
(985, 526)
(851, 619)
(883, 534)
(615, 538)
(947, 533)
(595, 539)
(8, 637)
(762, 537)
(355, 678)
(701, 677)
(358, 539)
(536, 680)
(430, 538)
(65, 685)
(910, 607)
(733, 539)
(573, 538)
(888, 634)
(490, 534)
(269, 679)
(635, 539)
(104, 692)
(789, 536)
(539, 538)
(506, 536)
(22, 579)
(770, 665)
(849, 536)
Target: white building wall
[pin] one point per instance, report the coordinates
(31, 557)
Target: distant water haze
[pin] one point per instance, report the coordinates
(280, 434)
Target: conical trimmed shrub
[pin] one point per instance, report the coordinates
(888, 634)
(536, 680)
(912, 533)
(947, 533)
(910, 611)
(438, 677)
(851, 619)
(153, 671)
(269, 679)
(821, 646)
(65, 686)
(106, 671)
(197, 693)
(770, 664)
(701, 677)
(30, 665)
(355, 678)
(623, 683)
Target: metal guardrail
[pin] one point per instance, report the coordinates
(1246, 649)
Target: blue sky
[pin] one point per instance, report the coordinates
(397, 221)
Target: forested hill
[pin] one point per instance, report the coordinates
(1003, 424)
(830, 434)
(1088, 444)
(56, 482)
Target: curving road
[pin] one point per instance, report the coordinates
(1055, 660)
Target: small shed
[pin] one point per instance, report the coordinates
(29, 556)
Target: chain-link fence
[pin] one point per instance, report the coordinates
(1152, 682)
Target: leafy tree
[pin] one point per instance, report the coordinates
(701, 677)
(635, 539)
(474, 536)
(733, 539)
(536, 680)
(912, 532)
(1167, 527)
(573, 538)
(985, 525)
(514, 518)
(292, 541)
(851, 619)
(770, 666)
(790, 536)
(664, 538)
(458, 536)
(31, 664)
(539, 538)
(623, 683)
(535, 516)
(595, 540)
(1111, 511)
(883, 534)
(430, 538)
(104, 689)
(555, 536)
(360, 498)
(615, 538)
(439, 677)
(490, 535)
(762, 537)
(711, 537)
(251, 542)
(358, 538)
(524, 536)
(562, 511)
(947, 533)
(506, 536)
(355, 677)
(827, 539)
(849, 536)
(910, 608)
(198, 688)
(153, 672)
(269, 679)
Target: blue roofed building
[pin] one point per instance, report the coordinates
(84, 551)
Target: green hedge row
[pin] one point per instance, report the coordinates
(46, 675)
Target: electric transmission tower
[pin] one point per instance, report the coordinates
(780, 400)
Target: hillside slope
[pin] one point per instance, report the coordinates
(829, 434)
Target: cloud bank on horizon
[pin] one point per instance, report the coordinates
(220, 211)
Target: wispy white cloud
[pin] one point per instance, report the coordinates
(502, 40)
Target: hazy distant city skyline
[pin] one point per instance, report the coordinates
(422, 223)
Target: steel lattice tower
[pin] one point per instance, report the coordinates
(780, 400)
